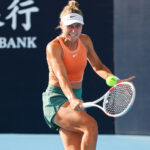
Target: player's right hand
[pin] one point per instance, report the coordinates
(76, 104)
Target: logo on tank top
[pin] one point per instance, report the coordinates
(74, 55)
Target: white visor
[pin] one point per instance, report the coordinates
(72, 18)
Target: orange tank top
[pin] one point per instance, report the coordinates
(75, 61)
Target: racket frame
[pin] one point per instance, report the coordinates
(104, 98)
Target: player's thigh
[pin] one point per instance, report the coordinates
(72, 120)
(71, 140)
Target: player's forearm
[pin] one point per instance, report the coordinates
(66, 88)
(103, 72)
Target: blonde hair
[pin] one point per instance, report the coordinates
(71, 7)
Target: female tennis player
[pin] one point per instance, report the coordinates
(67, 57)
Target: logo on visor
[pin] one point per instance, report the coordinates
(72, 16)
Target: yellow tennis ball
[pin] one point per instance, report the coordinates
(111, 81)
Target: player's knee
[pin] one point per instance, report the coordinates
(92, 127)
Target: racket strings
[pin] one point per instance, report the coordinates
(118, 100)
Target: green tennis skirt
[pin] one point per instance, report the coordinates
(53, 98)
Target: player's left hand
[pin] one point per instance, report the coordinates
(126, 80)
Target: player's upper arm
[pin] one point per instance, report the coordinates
(92, 57)
(55, 58)
(53, 53)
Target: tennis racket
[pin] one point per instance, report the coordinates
(117, 101)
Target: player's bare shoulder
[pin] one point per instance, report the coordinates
(86, 40)
(54, 44)
(84, 37)
(54, 47)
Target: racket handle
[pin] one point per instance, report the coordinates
(87, 105)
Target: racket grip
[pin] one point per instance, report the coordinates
(87, 105)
